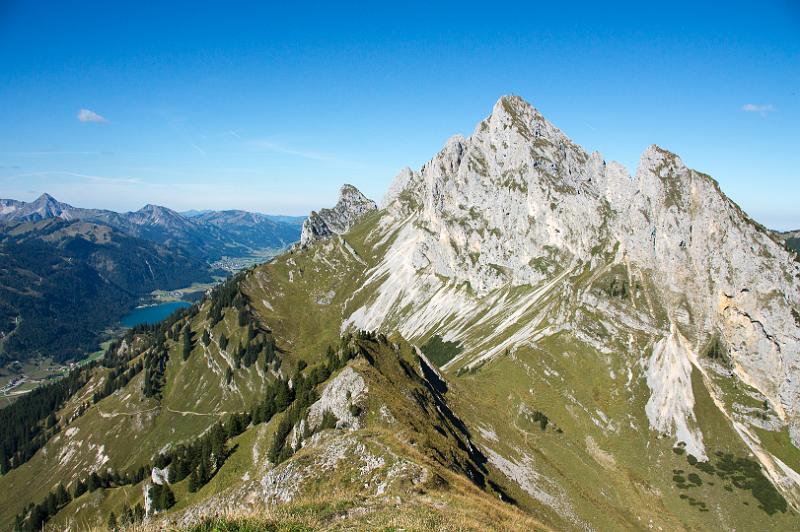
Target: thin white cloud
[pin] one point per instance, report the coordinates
(93, 178)
(761, 109)
(45, 153)
(197, 148)
(268, 145)
(85, 115)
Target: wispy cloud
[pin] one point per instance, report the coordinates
(197, 148)
(269, 145)
(86, 115)
(761, 109)
(86, 177)
(46, 153)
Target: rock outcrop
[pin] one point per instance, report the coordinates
(352, 205)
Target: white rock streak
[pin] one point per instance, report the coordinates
(670, 409)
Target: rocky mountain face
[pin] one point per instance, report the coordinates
(352, 205)
(558, 344)
(506, 239)
(8, 206)
(519, 204)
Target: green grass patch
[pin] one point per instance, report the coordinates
(439, 351)
(223, 524)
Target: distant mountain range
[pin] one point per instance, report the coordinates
(282, 218)
(67, 273)
(63, 282)
(791, 238)
(204, 234)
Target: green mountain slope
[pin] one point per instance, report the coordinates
(394, 436)
(563, 418)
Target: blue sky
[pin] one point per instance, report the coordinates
(272, 107)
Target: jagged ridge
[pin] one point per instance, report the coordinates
(350, 207)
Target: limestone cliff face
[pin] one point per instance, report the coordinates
(352, 205)
(517, 204)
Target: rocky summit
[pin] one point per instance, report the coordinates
(351, 206)
(518, 204)
(524, 336)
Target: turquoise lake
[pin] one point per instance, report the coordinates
(152, 314)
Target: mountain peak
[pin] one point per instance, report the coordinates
(350, 191)
(45, 198)
(46, 206)
(511, 108)
(654, 152)
(157, 209)
(661, 169)
(352, 200)
(352, 205)
(397, 187)
(512, 103)
(157, 215)
(512, 113)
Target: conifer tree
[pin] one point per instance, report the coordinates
(62, 497)
(167, 497)
(193, 481)
(94, 481)
(80, 489)
(127, 517)
(187, 342)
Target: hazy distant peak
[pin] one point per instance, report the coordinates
(45, 197)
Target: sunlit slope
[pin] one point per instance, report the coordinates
(127, 429)
(590, 380)
(304, 294)
(597, 461)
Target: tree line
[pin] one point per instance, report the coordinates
(202, 458)
(29, 422)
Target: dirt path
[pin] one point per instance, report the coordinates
(107, 415)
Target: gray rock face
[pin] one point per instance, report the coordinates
(345, 390)
(518, 204)
(159, 476)
(352, 205)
